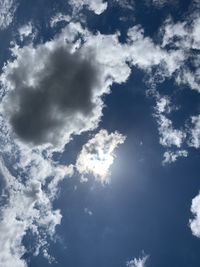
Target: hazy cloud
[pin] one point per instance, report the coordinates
(97, 155)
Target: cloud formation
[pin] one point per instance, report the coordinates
(172, 156)
(140, 262)
(168, 135)
(42, 115)
(97, 155)
(195, 222)
(58, 91)
(28, 206)
(97, 6)
(34, 182)
(194, 131)
(7, 10)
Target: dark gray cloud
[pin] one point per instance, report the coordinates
(62, 90)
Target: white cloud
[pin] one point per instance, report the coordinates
(140, 262)
(28, 206)
(184, 36)
(97, 155)
(26, 30)
(194, 132)
(33, 184)
(146, 54)
(172, 156)
(168, 135)
(195, 222)
(97, 6)
(7, 10)
(163, 104)
(34, 164)
(58, 18)
(104, 51)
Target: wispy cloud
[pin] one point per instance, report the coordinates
(140, 262)
(7, 11)
(97, 6)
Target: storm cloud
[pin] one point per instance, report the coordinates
(58, 93)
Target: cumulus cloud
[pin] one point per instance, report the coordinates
(61, 94)
(140, 262)
(8, 8)
(57, 92)
(31, 176)
(97, 6)
(195, 222)
(184, 36)
(172, 156)
(28, 206)
(97, 155)
(81, 67)
(75, 106)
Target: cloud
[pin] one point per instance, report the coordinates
(58, 92)
(125, 4)
(88, 212)
(97, 155)
(8, 8)
(25, 31)
(184, 36)
(161, 3)
(31, 176)
(61, 94)
(28, 207)
(195, 222)
(172, 156)
(140, 262)
(58, 18)
(97, 6)
(168, 135)
(194, 132)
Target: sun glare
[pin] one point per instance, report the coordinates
(97, 156)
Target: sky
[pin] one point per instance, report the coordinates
(99, 133)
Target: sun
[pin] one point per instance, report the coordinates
(100, 164)
(97, 156)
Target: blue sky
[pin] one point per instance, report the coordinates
(100, 133)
